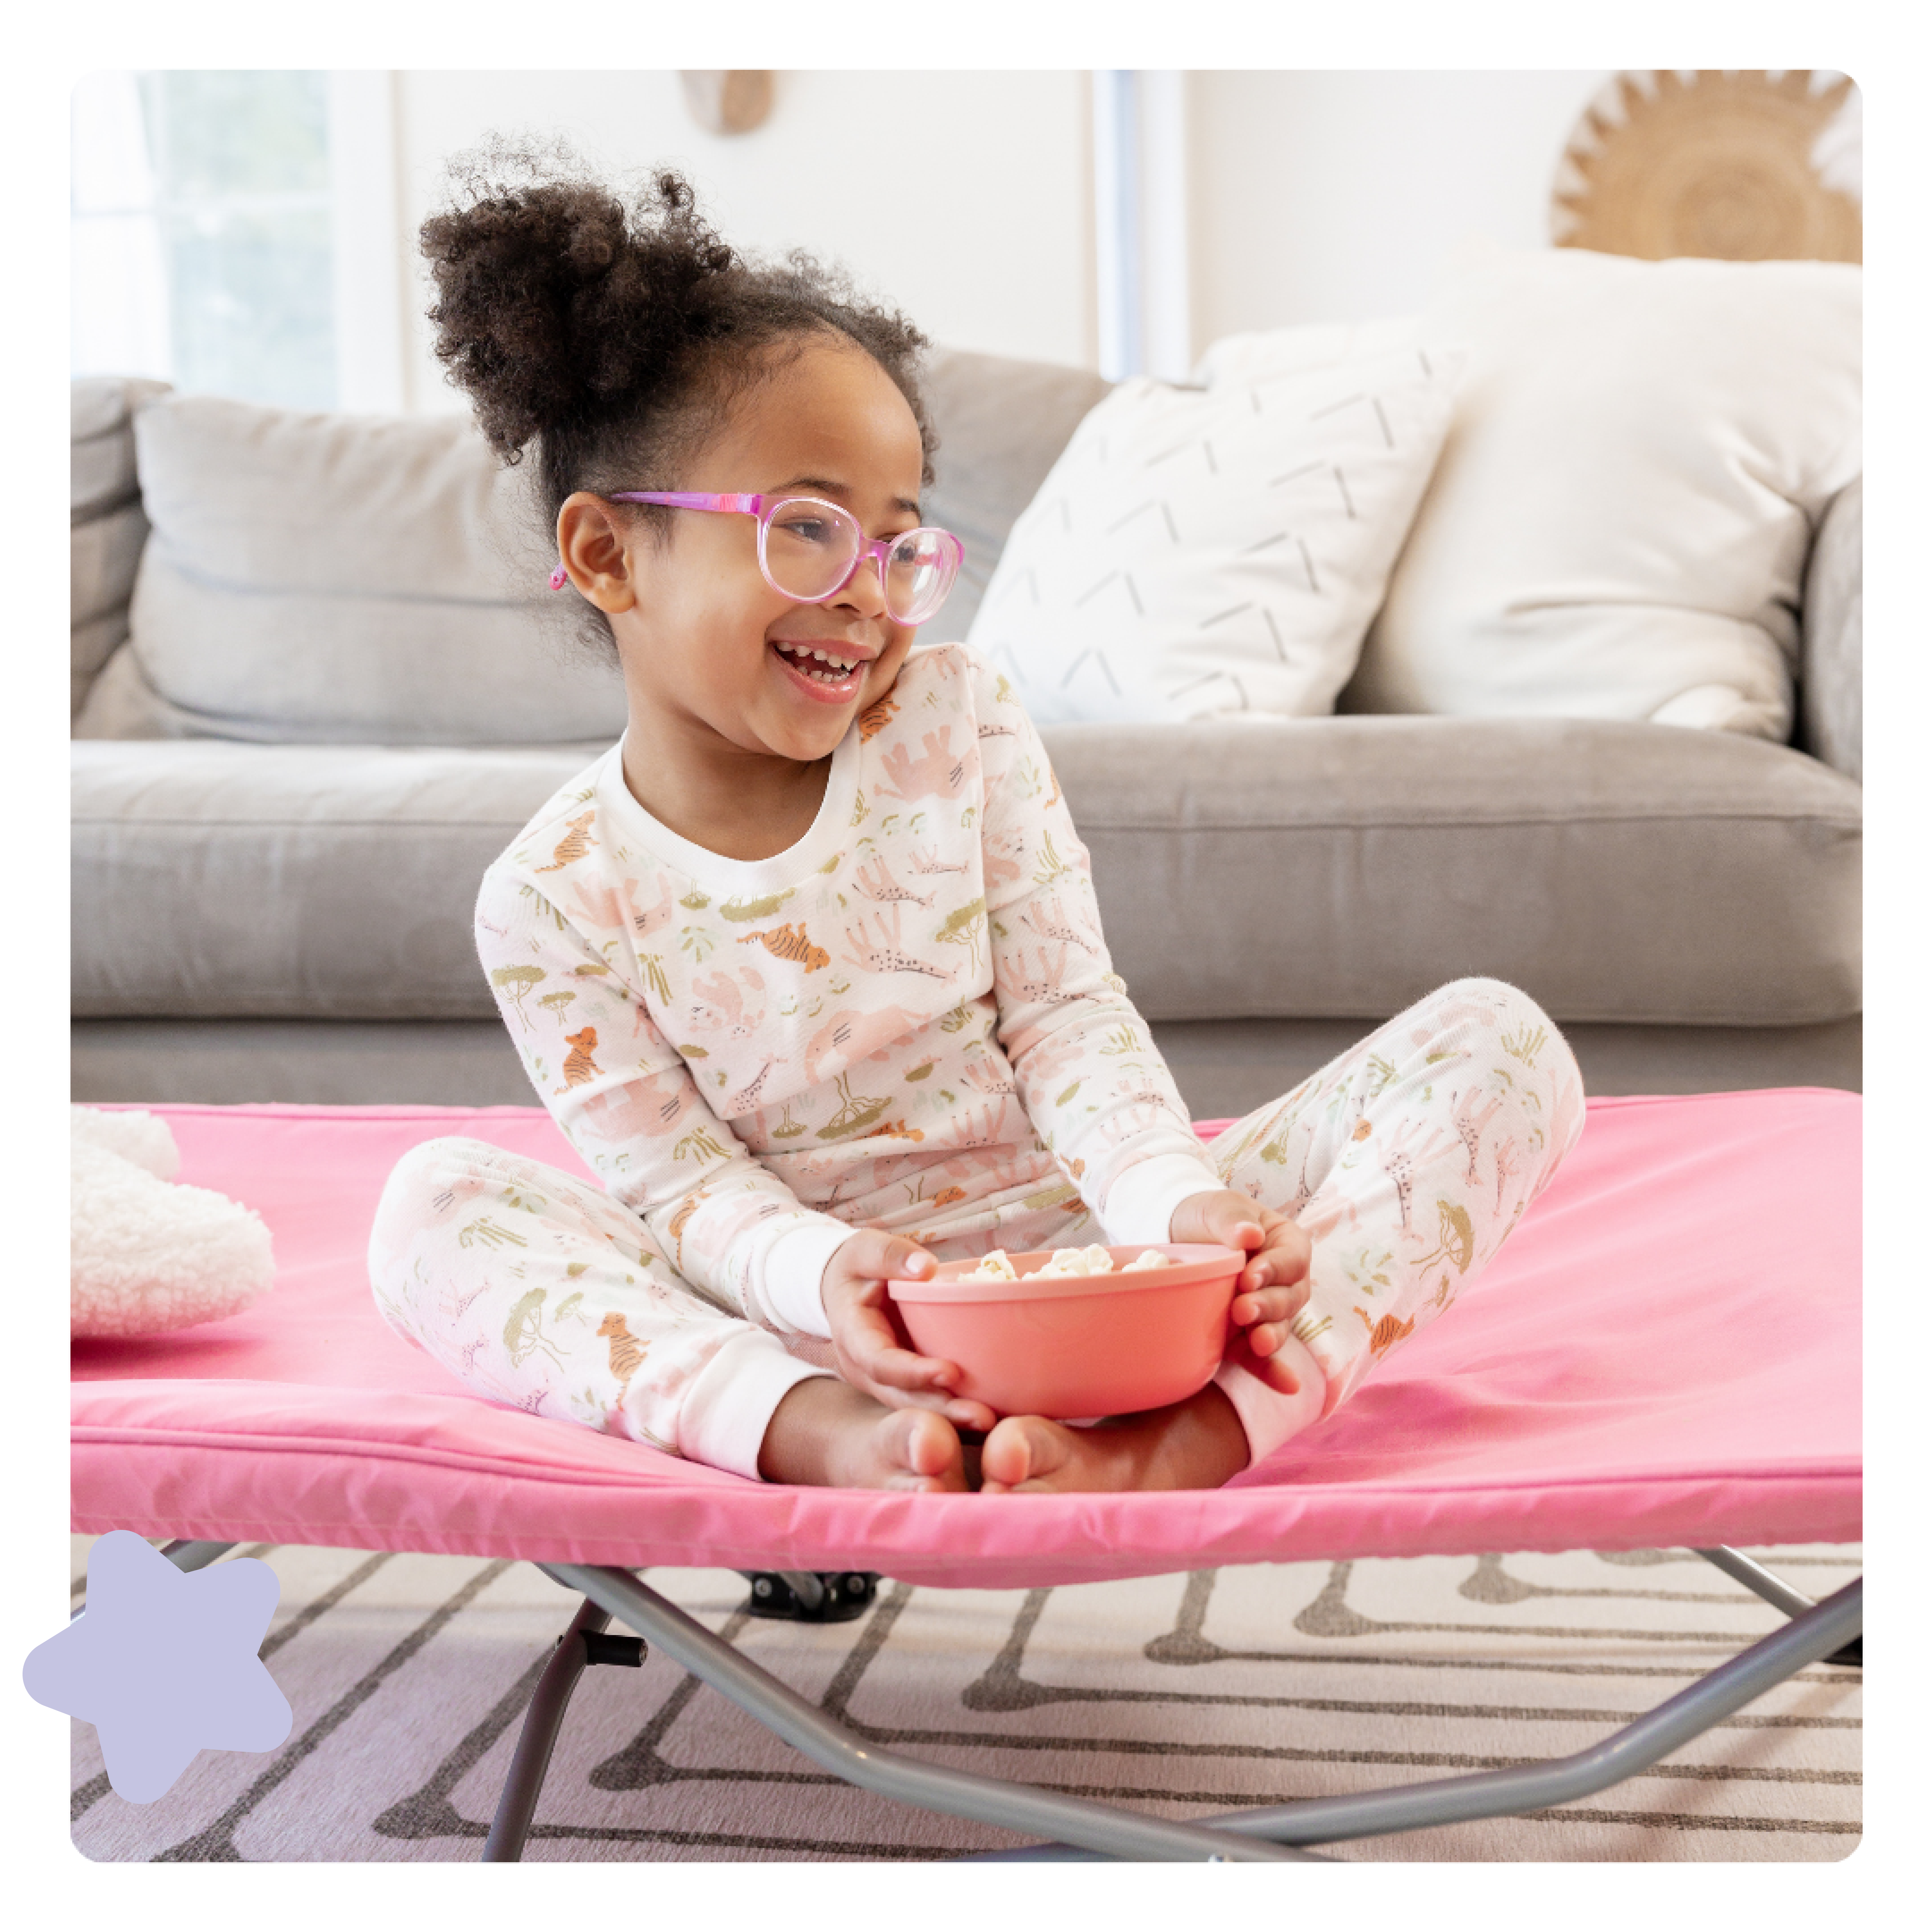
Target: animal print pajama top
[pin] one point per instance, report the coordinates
(908, 1019)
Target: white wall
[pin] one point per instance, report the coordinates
(1309, 196)
(962, 198)
(1338, 196)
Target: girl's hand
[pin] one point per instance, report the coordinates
(1273, 1288)
(866, 1344)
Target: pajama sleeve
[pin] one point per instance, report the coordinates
(626, 1101)
(1093, 1083)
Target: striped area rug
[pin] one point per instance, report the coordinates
(1179, 1694)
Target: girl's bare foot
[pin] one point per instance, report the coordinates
(1196, 1444)
(825, 1432)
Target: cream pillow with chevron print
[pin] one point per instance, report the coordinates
(1200, 552)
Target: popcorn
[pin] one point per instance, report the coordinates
(1075, 1261)
(996, 1266)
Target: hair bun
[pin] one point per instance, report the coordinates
(555, 300)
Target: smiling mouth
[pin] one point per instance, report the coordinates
(830, 668)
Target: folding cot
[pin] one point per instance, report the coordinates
(1667, 1352)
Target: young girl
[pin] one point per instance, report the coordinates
(807, 966)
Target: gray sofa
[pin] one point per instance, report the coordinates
(328, 688)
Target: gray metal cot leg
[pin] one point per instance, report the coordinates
(185, 1556)
(1808, 1638)
(1105, 1829)
(541, 1722)
(1776, 1592)
(1830, 1632)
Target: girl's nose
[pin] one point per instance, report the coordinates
(864, 589)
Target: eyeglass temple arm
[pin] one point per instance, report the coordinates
(676, 499)
(693, 500)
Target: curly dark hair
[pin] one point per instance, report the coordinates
(613, 335)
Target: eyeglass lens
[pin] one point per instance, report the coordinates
(917, 576)
(810, 548)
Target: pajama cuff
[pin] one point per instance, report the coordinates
(1269, 1416)
(794, 1273)
(1142, 1200)
(728, 1409)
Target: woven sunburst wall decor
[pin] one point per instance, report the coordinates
(1708, 163)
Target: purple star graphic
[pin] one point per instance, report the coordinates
(164, 1664)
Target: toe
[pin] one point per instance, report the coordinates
(1022, 1450)
(926, 1446)
(1006, 1457)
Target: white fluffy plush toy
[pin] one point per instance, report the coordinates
(149, 1255)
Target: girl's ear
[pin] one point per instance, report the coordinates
(591, 543)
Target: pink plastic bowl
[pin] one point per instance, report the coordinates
(1078, 1346)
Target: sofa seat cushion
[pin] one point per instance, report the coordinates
(215, 880)
(1295, 868)
(1342, 866)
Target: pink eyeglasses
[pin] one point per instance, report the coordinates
(809, 550)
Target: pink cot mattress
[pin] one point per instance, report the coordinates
(1666, 1353)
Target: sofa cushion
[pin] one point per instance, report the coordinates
(108, 527)
(1296, 868)
(1619, 525)
(1831, 684)
(100, 455)
(1001, 424)
(291, 881)
(1310, 867)
(1198, 552)
(338, 579)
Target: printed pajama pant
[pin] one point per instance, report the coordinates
(1407, 1160)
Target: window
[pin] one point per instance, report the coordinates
(212, 245)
